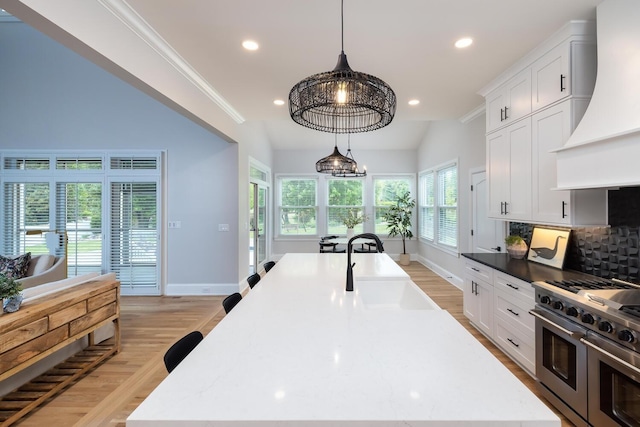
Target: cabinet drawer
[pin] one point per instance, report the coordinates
(515, 287)
(519, 346)
(515, 311)
(478, 270)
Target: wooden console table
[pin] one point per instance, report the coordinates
(47, 324)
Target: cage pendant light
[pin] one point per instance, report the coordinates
(336, 162)
(354, 172)
(342, 100)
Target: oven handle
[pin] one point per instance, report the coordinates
(611, 356)
(572, 334)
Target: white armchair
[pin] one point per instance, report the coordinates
(44, 269)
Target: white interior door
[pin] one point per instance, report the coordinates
(487, 235)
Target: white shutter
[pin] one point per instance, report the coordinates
(25, 217)
(448, 206)
(79, 214)
(134, 234)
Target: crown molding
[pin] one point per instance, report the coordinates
(128, 16)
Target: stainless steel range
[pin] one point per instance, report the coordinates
(588, 349)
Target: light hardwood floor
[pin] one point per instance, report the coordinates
(106, 396)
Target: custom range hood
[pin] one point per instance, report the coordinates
(604, 150)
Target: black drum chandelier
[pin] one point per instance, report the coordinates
(342, 100)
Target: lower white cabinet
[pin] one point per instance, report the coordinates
(498, 305)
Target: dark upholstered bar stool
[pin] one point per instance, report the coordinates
(253, 280)
(269, 265)
(231, 301)
(178, 351)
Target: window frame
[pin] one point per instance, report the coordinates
(438, 207)
(277, 226)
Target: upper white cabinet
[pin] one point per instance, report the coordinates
(532, 109)
(510, 101)
(567, 69)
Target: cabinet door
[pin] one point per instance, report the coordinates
(478, 304)
(494, 109)
(550, 77)
(519, 182)
(497, 172)
(518, 96)
(551, 129)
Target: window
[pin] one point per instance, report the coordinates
(438, 206)
(345, 198)
(65, 193)
(298, 206)
(385, 193)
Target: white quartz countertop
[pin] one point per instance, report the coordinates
(300, 351)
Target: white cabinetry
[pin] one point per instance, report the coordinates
(509, 171)
(551, 128)
(509, 102)
(478, 296)
(498, 305)
(558, 77)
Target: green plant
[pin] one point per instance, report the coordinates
(398, 218)
(353, 218)
(513, 240)
(9, 286)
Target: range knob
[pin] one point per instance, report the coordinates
(572, 311)
(626, 335)
(605, 326)
(545, 299)
(558, 305)
(587, 318)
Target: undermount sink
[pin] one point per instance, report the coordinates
(393, 295)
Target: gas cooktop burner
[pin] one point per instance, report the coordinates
(576, 286)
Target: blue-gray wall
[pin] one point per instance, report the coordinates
(51, 98)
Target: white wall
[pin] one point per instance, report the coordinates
(444, 141)
(51, 98)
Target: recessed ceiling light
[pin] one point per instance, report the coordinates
(414, 102)
(250, 45)
(278, 102)
(464, 42)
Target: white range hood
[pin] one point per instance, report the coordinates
(604, 150)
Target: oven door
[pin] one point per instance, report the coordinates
(614, 383)
(561, 360)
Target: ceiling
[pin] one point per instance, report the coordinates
(407, 43)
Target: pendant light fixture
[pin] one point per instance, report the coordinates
(336, 162)
(354, 172)
(342, 100)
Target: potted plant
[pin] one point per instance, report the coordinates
(516, 246)
(398, 219)
(9, 287)
(351, 219)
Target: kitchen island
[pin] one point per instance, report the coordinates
(298, 350)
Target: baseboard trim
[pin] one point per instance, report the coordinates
(193, 289)
(445, 274)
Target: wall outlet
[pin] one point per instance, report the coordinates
(223, 227)
(175, 224)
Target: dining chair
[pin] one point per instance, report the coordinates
(178, 351)
(269, 265)
(231, 301)
(371, 248)
(253, 280)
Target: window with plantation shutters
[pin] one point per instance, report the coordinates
(438, 206)
(25, 217)
(134, 234)
(79, 215)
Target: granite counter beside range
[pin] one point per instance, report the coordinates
(528, 271)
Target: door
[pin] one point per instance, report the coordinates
(258, 226)
(487, 235)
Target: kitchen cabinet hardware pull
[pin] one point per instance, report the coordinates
(564, 215)
(501, 208)
(505, 113)
(475, 269)
(512, 287)
(562, 88)
(513, 312)
(501, 114)
(505, 208)
(512, 342)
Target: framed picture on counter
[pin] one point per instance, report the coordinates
(549, 246)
